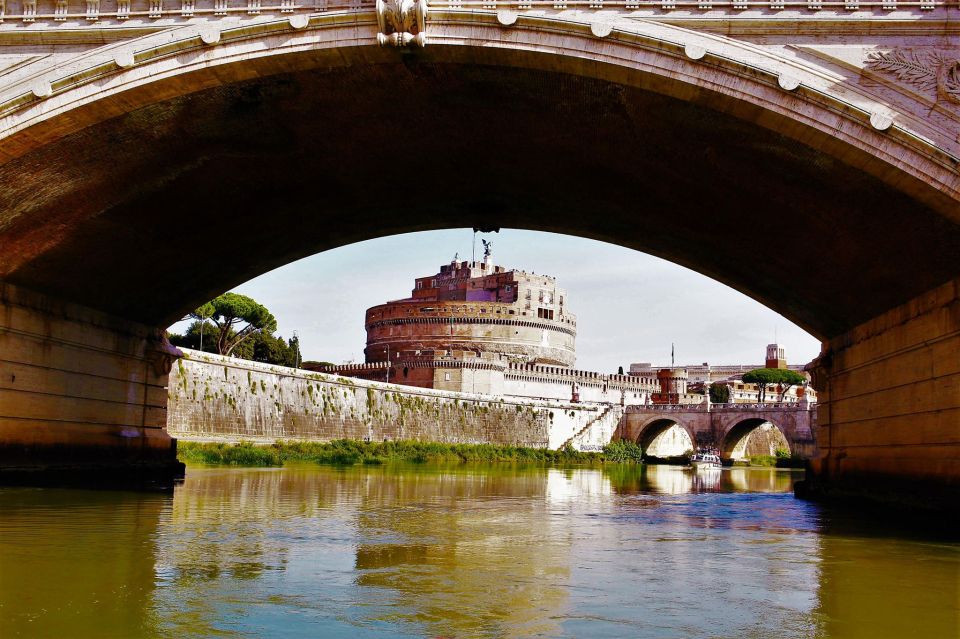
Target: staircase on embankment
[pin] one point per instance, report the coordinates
(598, 431)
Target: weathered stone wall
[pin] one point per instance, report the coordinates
(765, 440)
(555, 382)
(889, 411)
(221, 398)
(80, 391)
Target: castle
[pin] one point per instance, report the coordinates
(476, 327)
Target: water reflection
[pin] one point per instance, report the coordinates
(459, 556)
(678, 480)
(78, 563)
(465, 552)
(875, 583)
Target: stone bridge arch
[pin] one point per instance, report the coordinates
(657, 425)
(121, 143)
(267, 110)
(795, 426)
(735, 436)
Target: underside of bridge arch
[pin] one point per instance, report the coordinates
(664, 438)
(736, 442)
(142, 216)
(284, 166)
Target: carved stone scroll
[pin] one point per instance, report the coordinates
(935, 71)
(402, 22)
(161, 355)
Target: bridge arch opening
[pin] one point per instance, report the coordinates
(664, 438)
(753, 437)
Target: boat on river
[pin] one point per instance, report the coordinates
(705, 460)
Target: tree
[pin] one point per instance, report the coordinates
(191, 337)
(719, 393)
(788, 380)
(236, 318)
(764, 377)
(620, 370)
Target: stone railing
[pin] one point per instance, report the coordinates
(93, 11)
(667, 408)
(763, 406)
(739, 6)
(561, 375)
(705, 408)
(353, 368)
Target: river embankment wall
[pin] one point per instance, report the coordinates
(216, 398)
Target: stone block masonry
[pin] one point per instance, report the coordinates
(214, 398)
(82, 395)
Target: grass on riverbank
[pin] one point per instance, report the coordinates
(776, 461)
(349, 452)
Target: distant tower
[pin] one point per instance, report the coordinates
(775, 356)
(673, 385)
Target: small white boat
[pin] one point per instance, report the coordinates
(705, 460)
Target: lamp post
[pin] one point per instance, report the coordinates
(388, 363)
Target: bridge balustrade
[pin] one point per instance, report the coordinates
(91, 12)
(706, 408)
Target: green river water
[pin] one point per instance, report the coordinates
(468, 551)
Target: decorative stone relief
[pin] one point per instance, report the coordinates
(161, 356)
(402, 22)
(819, 370)
(936, 71)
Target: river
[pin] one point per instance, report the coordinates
(467, 551)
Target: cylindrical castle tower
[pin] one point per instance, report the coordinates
(476, 307)
(673, 385)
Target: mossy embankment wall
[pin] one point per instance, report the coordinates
(214, 398)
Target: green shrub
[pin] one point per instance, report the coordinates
(242, 454)
(350, 452)
(623, 451)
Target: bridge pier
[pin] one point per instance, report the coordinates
(889, 406)
(83, 396)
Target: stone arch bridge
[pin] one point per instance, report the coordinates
(820, 139)
(722, 426)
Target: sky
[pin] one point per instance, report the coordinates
(630, 306)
